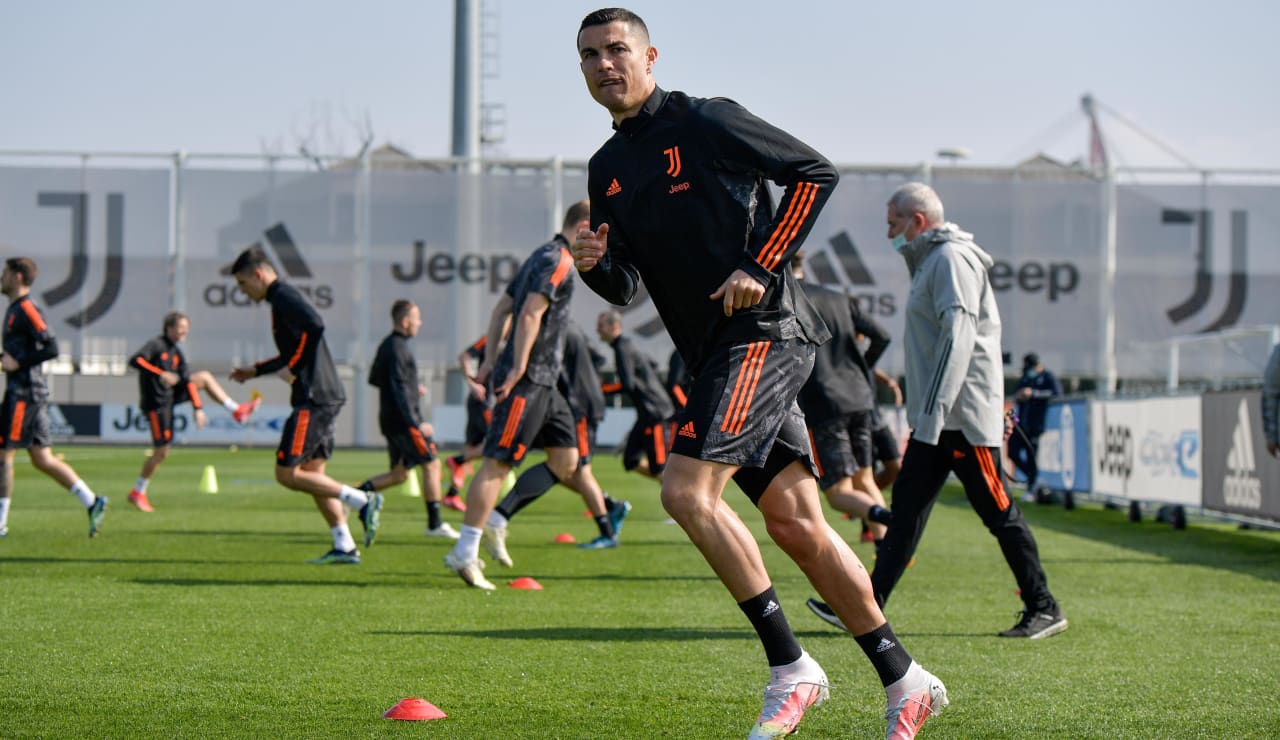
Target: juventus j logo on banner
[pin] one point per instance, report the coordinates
(113, 278)
(1203, 286)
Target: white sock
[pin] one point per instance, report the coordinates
(342, 538)
(353, 497)
(4, 512)
(82, 491)
(140, 485)
(230, 405)
(799, 669)
(468, 544)
(496, 520)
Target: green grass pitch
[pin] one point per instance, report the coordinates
(204, 620)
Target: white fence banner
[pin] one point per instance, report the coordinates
(1148, 450)
(125, 423)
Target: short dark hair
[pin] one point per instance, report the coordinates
(605, 16)
(172, 318)
(577, 212)
(400, 309)
(24, 267)
(252, 258)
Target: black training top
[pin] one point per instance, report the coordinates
(298, 332)
(640, 379)
(842, 380)
(29, 341)
(157, 356)
(549, 271)
(683, 188)
(395, 374)
(579, 377)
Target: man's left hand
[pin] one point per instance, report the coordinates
(739, 291)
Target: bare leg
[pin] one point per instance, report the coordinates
(483, 492)
(431, 481)
(204, 381)
(151, 464)
(691, 494)
(394, 477)
(851, 496)
(6, 475)
(313, 471)
(793, 516)
(44, 461)
(309, 478)
(888, 474)
(584, 482)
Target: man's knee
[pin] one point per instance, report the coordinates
(562, 462)
(201, 378)
(160, 453)
(287, 477)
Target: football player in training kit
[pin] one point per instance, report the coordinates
(638, 377)
(409, 439)
(316, 395)
(164, 381)
(24, 416)
(680, 199)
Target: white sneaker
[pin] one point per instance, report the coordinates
(444, 531)
(911, 700)
(787, 699)
(470, 571)
(494, 540)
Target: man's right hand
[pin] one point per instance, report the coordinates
(589, 247)
(168, 378)
(241, 374)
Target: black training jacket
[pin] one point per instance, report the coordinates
(841, 381)
(298, 332)
(683, 188)
(157, 356)
(640, 379)
(395, 374)
(27, 339)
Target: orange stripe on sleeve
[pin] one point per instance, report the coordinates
(297, 353)
(797, 212)
(562, 269)
(33, 315)
(300, 433)
(195, 396)
(419, 442)
(149, 367)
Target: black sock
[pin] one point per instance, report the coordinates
(528, 488)
(890, 659)
(880, 515)
(433, 515)
(453, 490)
(611, 503)
(765, 613)
(606, 526)
(367, 486)
(459, 459)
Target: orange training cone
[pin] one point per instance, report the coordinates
(414, 709)
(566, 538)
(526, 583)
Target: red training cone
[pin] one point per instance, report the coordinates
(565, 537)
(414, 709)
(527, 583)
(588, 515)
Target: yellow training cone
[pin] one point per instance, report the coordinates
(412, 485)
(208, 480)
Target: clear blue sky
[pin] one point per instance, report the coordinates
(864, 82)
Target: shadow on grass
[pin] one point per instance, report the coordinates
(584, 634)
(250, 582)
(1249, 553)
(126, 561)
